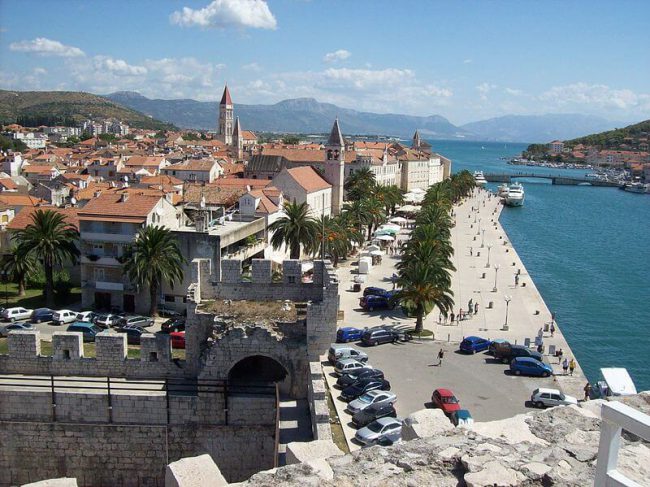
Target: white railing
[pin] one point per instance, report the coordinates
(617, 416)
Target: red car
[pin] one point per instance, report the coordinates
(445, 400)
(178, 339)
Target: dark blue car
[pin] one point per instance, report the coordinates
(41, 315)
(530, 366)
(348, 334)
(473, 344)
(374, 291)
(371, 302)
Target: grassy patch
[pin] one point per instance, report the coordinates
(338, 437)
(33, 298)
(423, 334)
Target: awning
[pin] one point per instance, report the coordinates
(399, 219)
(386, 238)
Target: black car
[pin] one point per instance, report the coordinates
(362, 386)
(372, 413)
(172, 325)
(349, 379)
(41, 315)
(133, 334)
(507, 354)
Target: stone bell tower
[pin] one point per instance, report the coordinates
(335, 166)
(226, 118)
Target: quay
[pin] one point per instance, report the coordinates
(555, 179)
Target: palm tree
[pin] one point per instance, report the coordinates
(357, 213)
(294, 229)
(360, 184)
(153, 258)
(50, 239)
(18, 265)
(375, 210)
(337, 237)
(439, 195)
(435, 215)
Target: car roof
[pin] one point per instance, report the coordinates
(546, 390)
(349, 328)
(527, 359)
(386, 420)
(474, 338)
(346, 361)
(83, 324)
(445, 392)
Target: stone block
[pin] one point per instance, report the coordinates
(24, 344)
(426, 423)
(155, 348)
(111, 346)
(231, 270)
(262, 271)
(198, 471)
(67, 345)
(315, 370)
(62, 482)
(319, 390)
(299, 452)
(291, 271)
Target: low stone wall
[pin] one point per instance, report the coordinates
(318, 408)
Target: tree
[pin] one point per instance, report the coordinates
(360, 184)
(357, 213)
(375, 209)
(19, 264)
(337, 235)
(291, 139)
(108, 137)
(50, 239)
(153, 258)
(85, 136)
(297, 228)
(7, 144)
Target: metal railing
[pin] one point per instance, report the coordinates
(617, 416)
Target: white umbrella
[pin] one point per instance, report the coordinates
(399, 219)
(376, 252)
(409, 209)
(390, 226)
(386, 238)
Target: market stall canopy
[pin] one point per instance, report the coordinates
(385, 238)
(385, 231)
(391, 226)
(409, 209)
(399, 219)
(376, 252)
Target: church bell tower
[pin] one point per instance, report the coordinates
(226, 118)
(335, 166)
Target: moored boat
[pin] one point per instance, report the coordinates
(515, 196)
(502, 190)
(479, 179)
(636, 187)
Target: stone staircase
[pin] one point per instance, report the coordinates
(295, 424)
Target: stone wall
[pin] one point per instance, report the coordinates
(318, 408)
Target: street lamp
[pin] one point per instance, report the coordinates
(482, 237)
(505, 325)
(496, 271)
(489, 247)
(478, 229)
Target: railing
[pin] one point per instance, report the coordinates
(617, 416)
(276, 457)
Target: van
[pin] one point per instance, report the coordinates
(378, 336)
(88, 330)
(348, 365)
(338, 352)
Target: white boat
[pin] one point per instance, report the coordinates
(502, 190)
(636, 187)
(479, 179)
(616, 382)
(515, 196)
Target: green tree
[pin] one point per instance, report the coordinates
(108, 137)
(295, 229)
(18, 265)
(50, 239)
(360, 184)
(85, 136)
(357, 213)
(291, 139)
(7, 144)
(337, 235)
(153, 258)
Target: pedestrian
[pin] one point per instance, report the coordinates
(516, 280)
(552, 317)
(441, 355)
(460, 315)
(587, 390)
(453, 316)
(559, 354)
(565, 366)
(475, 308)
(572, 366)
(552, 329)
(440, 318)
(471, 252)
(470, 305)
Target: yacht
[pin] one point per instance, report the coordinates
(479, 179)
(515, 196)
(502, 190)
(636, 187)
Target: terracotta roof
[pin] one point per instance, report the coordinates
(36, 169)
(13, 199)
(225, 99)
(265, 205)
(296, 154)
(240, 183)
(89, 192)
(308, 179)
(8, 183)
(213, 195)
(271, 191)
(229, 168)
(163, 179)
(248, 135)
(24, 216)
(151, 161)
(137, 206)
(192, 165)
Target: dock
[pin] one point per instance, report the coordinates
(556, 179)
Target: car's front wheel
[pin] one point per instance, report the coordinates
(539, 404)
(546, 374)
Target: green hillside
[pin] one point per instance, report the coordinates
(58, 107)
(613, 138)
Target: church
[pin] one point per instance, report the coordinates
(229, 129)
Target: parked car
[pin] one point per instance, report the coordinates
(445, 400)
(88, 316)
(551, 397)
(340, 352)
(372, 413)
(374, 291)
(178, 339)
(18, 326)
(371, 302)
(348, 334)
(530, 366)
(507, 353)
(63, 317)
(377, 336)
(496, 344)
(372, 398)
(348, 365)
(88, 330)
(384, 431)
(106, 320)
(349, 379)
(41, 315)
(166, 312)
(133, 334)
(17, 313)
(362, 386)
(462, 417)
(135, 320)
(473, 344)
(173, 325)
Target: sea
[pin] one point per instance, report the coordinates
(587, 249)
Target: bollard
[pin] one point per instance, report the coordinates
(471, 226)
(448, 337)
(536, 312)
(500, 237)
(491, 304)
(483, 276)
(523, 284)
(507, 250)
(478, 254)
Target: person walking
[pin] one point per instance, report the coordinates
(441, 355)
(470, 305)
(516, 280)
(565, 366)
(572, 366)
(552, 329)
(559, 354)
(475, 308)
(587, 390)
(471, 252)
(460, 315)
(453, 316)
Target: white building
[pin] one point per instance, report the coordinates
(304, 185)
(33, 140)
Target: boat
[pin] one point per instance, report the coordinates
(479, 179)
(636, 187)
(515, 196)
(502, 190)
(616, 382)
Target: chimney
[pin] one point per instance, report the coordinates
(124, 197)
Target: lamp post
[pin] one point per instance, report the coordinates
(496, 271)
(489, 247)
(482, 237)
(505, 325)
(478, 229)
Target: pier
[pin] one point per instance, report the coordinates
(555, 179)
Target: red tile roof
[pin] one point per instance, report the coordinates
(137, 206)
(308, 179)
(24, 216)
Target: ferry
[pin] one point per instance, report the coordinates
(515, 196)
(502, 190)
(479, 179)
(636, 187)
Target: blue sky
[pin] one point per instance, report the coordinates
(465, 60)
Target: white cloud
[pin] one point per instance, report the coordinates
(46, 47)
(513, 91)
(595, 96)
(338, 55)
(119, 66)
(467, 61)
(252, 67)
(38, 71)
(484, 89)
(227, 13)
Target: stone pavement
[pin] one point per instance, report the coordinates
(295, 424)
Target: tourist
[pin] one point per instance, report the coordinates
(572, 366)
(460, 315)
(441, 355)
(516, 280)
(475, 308)
(552, 329)
(440, 318)
(453, 316)
(587, 390)
(471, 252)
(469, 305)
(559, 354)
(565, 366)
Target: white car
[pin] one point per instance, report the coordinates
(63, 317)
(13, 314)
(551, 397)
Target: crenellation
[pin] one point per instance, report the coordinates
(291, 271)
(231, 270)
(155, 348)
(24, 344)
(67, 345)
(262, 271)
(111, 347)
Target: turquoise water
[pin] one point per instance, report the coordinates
(588, 251)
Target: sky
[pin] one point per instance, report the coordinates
(464, 60)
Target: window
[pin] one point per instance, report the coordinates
(291, 279)
(170, 298)
(100, 273)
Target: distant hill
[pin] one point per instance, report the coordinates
(299, 115)
(614, 138)
(69, 105)
(537, 128)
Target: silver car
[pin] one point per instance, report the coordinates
(349, 365)
(384, 431)
(374, 398)
(20, 326)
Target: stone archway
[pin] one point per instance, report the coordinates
(260, 370)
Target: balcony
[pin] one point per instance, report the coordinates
(246, 252)
(109, 286)
(99, 259)
(107, 237)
